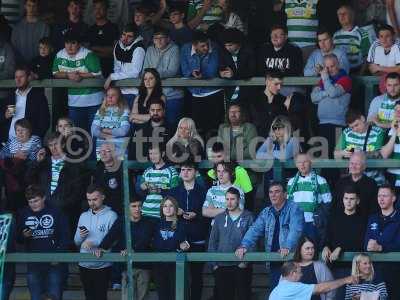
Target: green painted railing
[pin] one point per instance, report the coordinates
(181, 259)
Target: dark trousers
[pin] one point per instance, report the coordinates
(208, 113)
(275, 270)
(164, 277)
(233, 282)
(340, 272)
(196, 274)
(95, 282)
(390, 274)
(328, 131)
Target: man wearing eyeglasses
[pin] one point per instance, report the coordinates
(108, 174)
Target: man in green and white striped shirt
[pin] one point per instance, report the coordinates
(155, 179)
(312, 194)
(302, 22)
(75, 63)
(353, 40)
(392, 147)
(381, 109)
(360, 136)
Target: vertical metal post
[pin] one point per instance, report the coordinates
(128, 237)
(181, 275)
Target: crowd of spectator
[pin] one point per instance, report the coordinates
(60, 204)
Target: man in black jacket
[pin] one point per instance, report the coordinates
(29, 103)
(237, 61)
(366, 186)
(190, 196)
(64, 182)
(280, 55)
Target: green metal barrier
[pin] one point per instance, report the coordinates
(181, 259)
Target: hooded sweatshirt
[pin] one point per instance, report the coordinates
(166, 62)
(128, 62)
(98, 226)
(50, 230)
(227, 233)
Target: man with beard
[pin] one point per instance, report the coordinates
(381, 109)
(153, 131)
(129, 55)
(226, 235)
(93, 226)
(238, 134)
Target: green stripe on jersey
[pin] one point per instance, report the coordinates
(164, 178)
(84, 61)
(350, 139)
(302, 22)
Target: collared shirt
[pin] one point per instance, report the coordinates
(20, 107)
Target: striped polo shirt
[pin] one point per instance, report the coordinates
(355, 43)
(302, 22)
(164, 178)
(83, 61)
(350, 139)
(304, 191)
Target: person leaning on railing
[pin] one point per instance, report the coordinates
(280, 224)
(345, 233)
(231, 278)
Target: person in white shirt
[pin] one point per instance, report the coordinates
(289, 287)
(384, 54)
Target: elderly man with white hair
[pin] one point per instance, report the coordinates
(365, 185)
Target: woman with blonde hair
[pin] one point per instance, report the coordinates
(369, 284)
(111, 121)
(169, 236)
(185, 143)
(280, 144)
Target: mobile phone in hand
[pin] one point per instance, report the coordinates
(83, 228)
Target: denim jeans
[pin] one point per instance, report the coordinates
(8, 281)
(45, 278)
(83, 116)
(173, 112)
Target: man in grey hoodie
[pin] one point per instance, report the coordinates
(163, 55)
(93, 226)
(226, 235)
